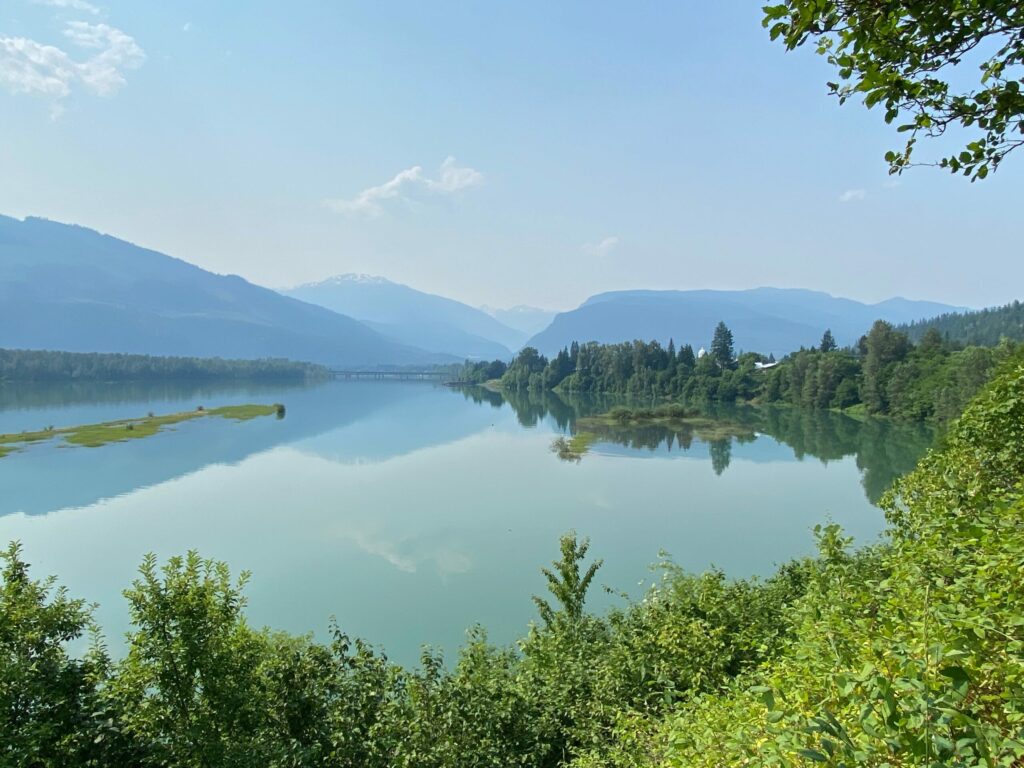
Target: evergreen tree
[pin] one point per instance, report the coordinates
(722, 346)
(828, 342)
(884, 347)
(686, 356)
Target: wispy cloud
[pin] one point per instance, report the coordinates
(853, 195)
(602, 248)
(407, 185)
(33, 68)
(71, 5)
(186, 26)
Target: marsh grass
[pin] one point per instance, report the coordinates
(96, 435)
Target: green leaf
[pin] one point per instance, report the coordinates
(813, 754)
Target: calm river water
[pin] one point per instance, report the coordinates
(410, 511)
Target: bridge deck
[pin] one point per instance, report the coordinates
(394, 375)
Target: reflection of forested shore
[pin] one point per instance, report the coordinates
(42, 395)
(88, 476)
(884, 449)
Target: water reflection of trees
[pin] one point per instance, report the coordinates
(44, 395)
(883, 449)
(533, 407)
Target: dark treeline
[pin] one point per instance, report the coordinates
(884, 374)
(31, 365)
(985, 328)
(905, 648)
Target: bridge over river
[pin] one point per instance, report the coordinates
(425, 375)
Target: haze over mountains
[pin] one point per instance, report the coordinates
(65, 287)
(766, 320)
(528, 320)
(415, 318)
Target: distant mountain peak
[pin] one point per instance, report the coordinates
(360, 278)
(518, 309)
(425, 320)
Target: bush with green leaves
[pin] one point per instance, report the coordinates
(908, 653)
(49, 714)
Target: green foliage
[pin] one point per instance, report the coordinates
(481, 372)
(48, 712)
(828, 342)
(883, 349)
(190, 684)
(565, 583)
(526, 371)
(885, 375)
(906, 653)
(25, 365)
(986, 327)
(901, 54)
(722, 351)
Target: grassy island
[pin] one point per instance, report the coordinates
(96, 435)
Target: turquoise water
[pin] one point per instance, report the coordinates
(410, 511)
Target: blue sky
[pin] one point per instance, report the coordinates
(497, 153)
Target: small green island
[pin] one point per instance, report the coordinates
(96, 435)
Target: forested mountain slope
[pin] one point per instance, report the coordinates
(70, 288)
(985, 327)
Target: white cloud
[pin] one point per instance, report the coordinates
(453, 178)
(852, 195)
(29, 67)
(71, 5)
(407, 185)
(602, 248)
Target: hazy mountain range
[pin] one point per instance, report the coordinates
(412, 317)
(69, 288)
(776, 320)
(65, 287)
(528, 320)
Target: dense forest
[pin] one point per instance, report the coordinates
(39, 366)
(884, 374)
(986, 327)
(908, 652)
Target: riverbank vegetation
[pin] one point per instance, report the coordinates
(884, 374)
(17, 365)
(908, 652)
(104, 433)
